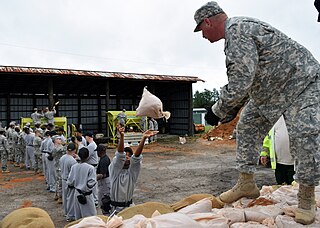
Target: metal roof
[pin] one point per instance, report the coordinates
(69, 72)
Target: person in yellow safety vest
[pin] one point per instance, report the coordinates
(276, 146)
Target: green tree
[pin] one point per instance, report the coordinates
(205, 98)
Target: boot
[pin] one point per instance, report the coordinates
(56, 197)
(245, 187)
(59, 200)
(22, 166)
(306, 211)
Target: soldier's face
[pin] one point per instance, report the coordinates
(210, 30)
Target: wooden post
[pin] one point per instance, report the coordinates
(190, 114)
(8, 109)
(50, 93)
(99, 114)
(107, 106)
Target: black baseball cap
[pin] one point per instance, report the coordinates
(71, 147)
(89, 134)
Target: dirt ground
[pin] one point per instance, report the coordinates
(170, 172)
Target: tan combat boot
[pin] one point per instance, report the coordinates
(56, 197)
(59, 200)
(306, 211)
(245, 187)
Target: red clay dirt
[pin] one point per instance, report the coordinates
(170, 171)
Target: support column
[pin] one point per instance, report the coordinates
(79, 110)
(99, 114)
(8, 109)
(107, 105)
(50, 93)
(190, 114)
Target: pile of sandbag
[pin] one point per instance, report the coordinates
(274, 208)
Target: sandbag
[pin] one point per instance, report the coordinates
(104, 218)
(28, 217)
(202, 206)
(210, 220)
(232, 214)
(162, 221)
(287, 222)
(92, 221)
(150, 105)
(216, 203)
(145, 209)
(247, 225)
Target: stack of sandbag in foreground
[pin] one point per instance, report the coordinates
(151, 106)
(274, 208)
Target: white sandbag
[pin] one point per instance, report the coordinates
(266, 190)
(269, 222)
(285, 193)
(247, 225)
(260, 213)
(162, 221)
(115, 222)
(92, 221)
(133, 222)
(283, 221)
(202, 206)
(210, 220)
(256, 216)
(232, 214)
(150, 105)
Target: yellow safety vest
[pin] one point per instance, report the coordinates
(268, 148)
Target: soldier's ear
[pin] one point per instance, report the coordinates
(207, 22)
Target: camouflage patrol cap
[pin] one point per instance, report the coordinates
(208, 10)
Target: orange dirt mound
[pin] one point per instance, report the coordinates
(222, 131)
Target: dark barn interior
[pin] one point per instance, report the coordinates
(85, 96)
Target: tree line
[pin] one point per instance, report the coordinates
(205, 98)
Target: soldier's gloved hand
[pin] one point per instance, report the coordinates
(211, 118)
(231, 115)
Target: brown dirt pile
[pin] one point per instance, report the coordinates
(222, 131)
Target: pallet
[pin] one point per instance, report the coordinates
(132, 139)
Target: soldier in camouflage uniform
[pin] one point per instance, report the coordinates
(21, 148)
(276, 76)
(29, 152)
(36, 117)
(4, 145)
(10, 136)
(37, 152)
(49, 115)
(15, 138)
(58, 151)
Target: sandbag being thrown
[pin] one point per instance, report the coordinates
(150, 105)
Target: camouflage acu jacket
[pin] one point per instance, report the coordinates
(265, 65)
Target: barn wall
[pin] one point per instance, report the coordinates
(84, 101)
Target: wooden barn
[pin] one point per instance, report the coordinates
(85, 96)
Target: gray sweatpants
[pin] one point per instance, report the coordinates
(84, 210)
(29, 156)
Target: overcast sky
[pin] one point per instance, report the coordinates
(137, 36)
